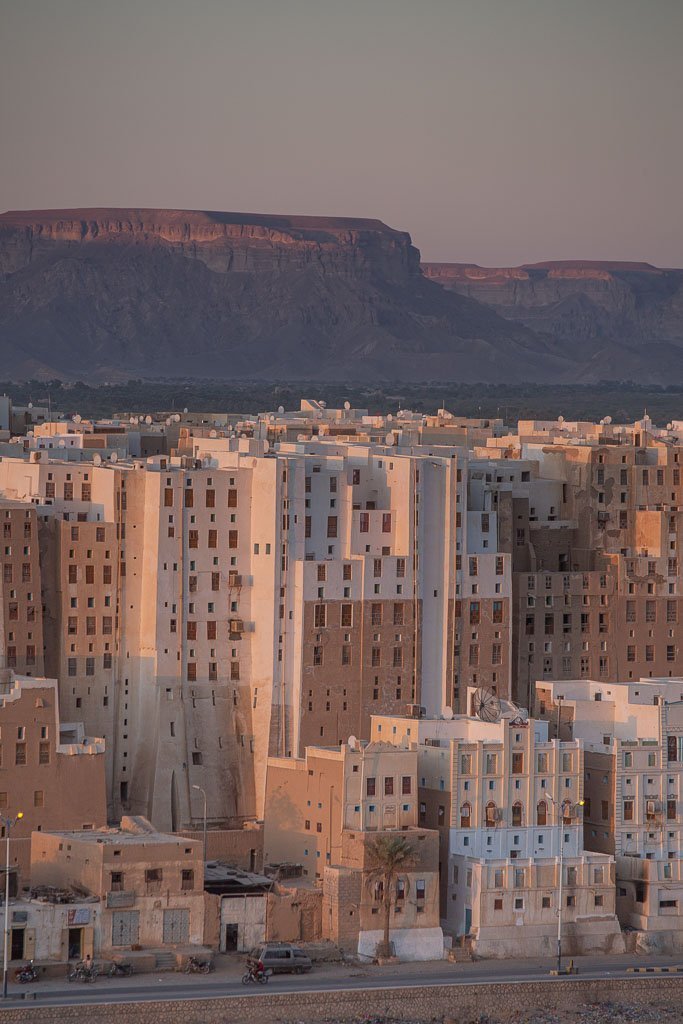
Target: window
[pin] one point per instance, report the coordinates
(465, 816)
(517, 815)
(628, 810)
(389, 786)
(517, 763)
(317, 656)
(320, 616)
(370, 787)
(153, 879)
(491, 814)
(331, 526)
(116, 881)
(406, 785)
(364, 522)
(38, 798)
(541, 813)
(44, 753)
(20, 754)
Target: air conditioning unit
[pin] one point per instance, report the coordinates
(234, 579)
(415, 711)
(236, 626)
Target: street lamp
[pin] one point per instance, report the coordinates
(560, 825)
(204, 795)
(8, 823)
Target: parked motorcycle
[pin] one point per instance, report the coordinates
(121, 970)
(196, 966)
(26, 973)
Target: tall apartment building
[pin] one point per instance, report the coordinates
(506, 800)
(590, 515)
(632, 733)
(203, 612)
(21, 620)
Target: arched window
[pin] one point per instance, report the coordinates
(542, 813)
(567, 815)
(491, 814)
(465, 816)
(516, 814)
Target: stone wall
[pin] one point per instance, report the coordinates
(453, 1002)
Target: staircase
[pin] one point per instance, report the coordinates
(165, 961)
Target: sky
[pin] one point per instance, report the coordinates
(494, 131)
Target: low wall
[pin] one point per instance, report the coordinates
(457, 1003)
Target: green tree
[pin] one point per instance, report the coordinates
(388, 858)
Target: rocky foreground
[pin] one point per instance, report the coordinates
(604, 1013)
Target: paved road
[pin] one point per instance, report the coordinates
(327, 978)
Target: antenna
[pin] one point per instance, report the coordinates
(486, 705)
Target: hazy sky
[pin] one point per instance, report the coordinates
(496, 131)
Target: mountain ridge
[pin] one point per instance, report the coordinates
(109, 293)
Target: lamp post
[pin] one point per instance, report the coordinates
(8, 823)
(560, 826)
(203, 792)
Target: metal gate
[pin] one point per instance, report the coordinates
(125, 927)
(176, 926)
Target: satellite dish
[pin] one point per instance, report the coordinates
(213, 433)
(560, 419)
(114, 457)
(485, 704)
(447, 713)
(389, 418)
(185, 409)
(169, 421)
(323, 405)
(131, 419)
(176, 417)
(513, 714)
(280, 409)
(352, 741)
(77, 417)
(97, 460)
(347, 405)
(62, 443)
(30, 405)
(389, 439)
(607, 420)
(266, 446)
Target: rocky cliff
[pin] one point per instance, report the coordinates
(621, 319)
(109, 294)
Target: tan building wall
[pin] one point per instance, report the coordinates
(53, 776)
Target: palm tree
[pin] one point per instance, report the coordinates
(388, 857)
